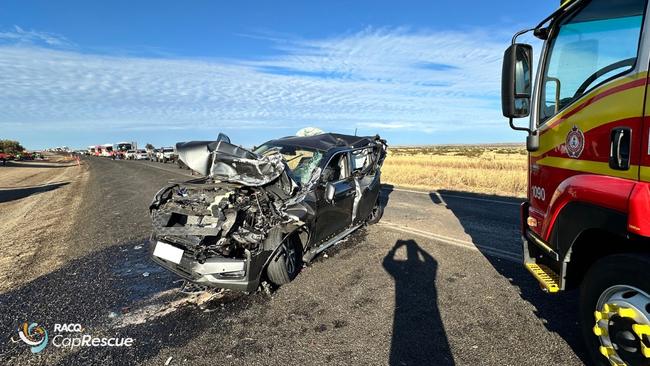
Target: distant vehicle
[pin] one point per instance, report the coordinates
(166, 154)
(24, 156)
(106, 150)
(121, 149)
(130, 155)
(98, 150)
(140, 154)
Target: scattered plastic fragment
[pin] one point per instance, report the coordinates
(146, 274)
(169, 359)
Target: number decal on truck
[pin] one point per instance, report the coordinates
(538, 192)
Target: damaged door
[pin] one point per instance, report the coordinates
(335, 215)
(363, 166)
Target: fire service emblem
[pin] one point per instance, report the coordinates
(575, 142)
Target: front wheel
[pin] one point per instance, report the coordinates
(286, 263)
(376, 213)
(615, 310)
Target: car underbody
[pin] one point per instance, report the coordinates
(249, 210)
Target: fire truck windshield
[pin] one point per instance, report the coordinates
(588, 47)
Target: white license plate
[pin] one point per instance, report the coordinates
(168, 252)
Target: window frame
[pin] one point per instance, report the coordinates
(547, 54)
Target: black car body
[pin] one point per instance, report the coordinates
(261, 214)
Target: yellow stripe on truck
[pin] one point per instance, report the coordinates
(621, 105)
(587, 166)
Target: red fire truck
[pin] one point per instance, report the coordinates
(586, 223)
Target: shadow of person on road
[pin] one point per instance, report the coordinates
(501, 231)
(419, 336)
(13, 194)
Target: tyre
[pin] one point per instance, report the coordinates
(376, 213)
(287, 261)
(615, 310)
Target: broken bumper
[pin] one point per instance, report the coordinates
(228, 273)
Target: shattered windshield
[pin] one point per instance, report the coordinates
(302, 161)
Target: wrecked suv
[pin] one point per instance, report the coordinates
(260, 214)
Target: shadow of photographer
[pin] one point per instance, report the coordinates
(419, 336)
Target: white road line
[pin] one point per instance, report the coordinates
(489, 251)
(454, 196)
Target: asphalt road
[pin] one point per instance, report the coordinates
(437, 282)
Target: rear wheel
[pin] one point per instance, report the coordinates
(615, 310)
(286, 263)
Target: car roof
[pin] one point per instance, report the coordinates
(323, 141)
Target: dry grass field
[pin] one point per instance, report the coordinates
(498, 169)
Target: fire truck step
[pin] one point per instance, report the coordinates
(549, 280)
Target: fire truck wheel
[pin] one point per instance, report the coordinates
(615, 310)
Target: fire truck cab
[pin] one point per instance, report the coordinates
(586, 223)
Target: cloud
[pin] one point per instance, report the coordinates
(24, 37)
(384, 79)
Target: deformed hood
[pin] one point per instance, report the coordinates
(230, 163)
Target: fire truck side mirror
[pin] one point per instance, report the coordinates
(516, 80)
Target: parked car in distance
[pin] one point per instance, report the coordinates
(140, 154)
(166, 154)
(260, 214)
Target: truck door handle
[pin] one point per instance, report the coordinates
(620, 148)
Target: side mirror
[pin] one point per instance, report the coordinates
(329, 192)
(516, 80)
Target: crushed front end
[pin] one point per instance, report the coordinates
(221, 232)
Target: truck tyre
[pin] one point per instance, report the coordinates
(287, 261)
(615, 310)
(376, 213)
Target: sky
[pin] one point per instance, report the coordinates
(81, 73)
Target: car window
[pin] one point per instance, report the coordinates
(590, 48)
(361, 160)
(337, 167)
